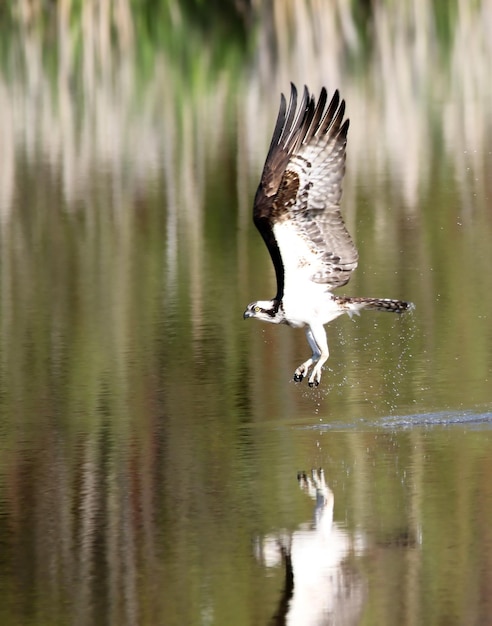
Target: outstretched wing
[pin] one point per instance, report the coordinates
(297, 204)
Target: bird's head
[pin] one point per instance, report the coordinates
(265, 310)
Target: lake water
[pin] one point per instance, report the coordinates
(150, 438)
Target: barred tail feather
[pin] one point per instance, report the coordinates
(355, 305)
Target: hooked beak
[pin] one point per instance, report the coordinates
(247, 314)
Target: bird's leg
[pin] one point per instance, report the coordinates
(319, 336)
(316, 487)
(303, 369)
(316, 337)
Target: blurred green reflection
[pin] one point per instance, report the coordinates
(148, 436)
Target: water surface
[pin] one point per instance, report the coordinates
(150, 438)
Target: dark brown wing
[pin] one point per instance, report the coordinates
(300, 190)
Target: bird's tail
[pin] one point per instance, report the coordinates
(355, 305)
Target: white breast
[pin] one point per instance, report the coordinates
(304, 301)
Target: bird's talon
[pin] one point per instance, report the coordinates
(298, 377)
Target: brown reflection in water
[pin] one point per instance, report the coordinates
(129, 471)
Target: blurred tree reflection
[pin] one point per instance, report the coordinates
(133, 398)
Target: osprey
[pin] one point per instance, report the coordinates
(297, 211)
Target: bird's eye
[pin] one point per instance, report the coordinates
(257, 309)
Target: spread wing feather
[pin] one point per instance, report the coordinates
(301, 188)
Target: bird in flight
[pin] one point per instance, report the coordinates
(297, 211)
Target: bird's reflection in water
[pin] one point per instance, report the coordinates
(321, 585)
